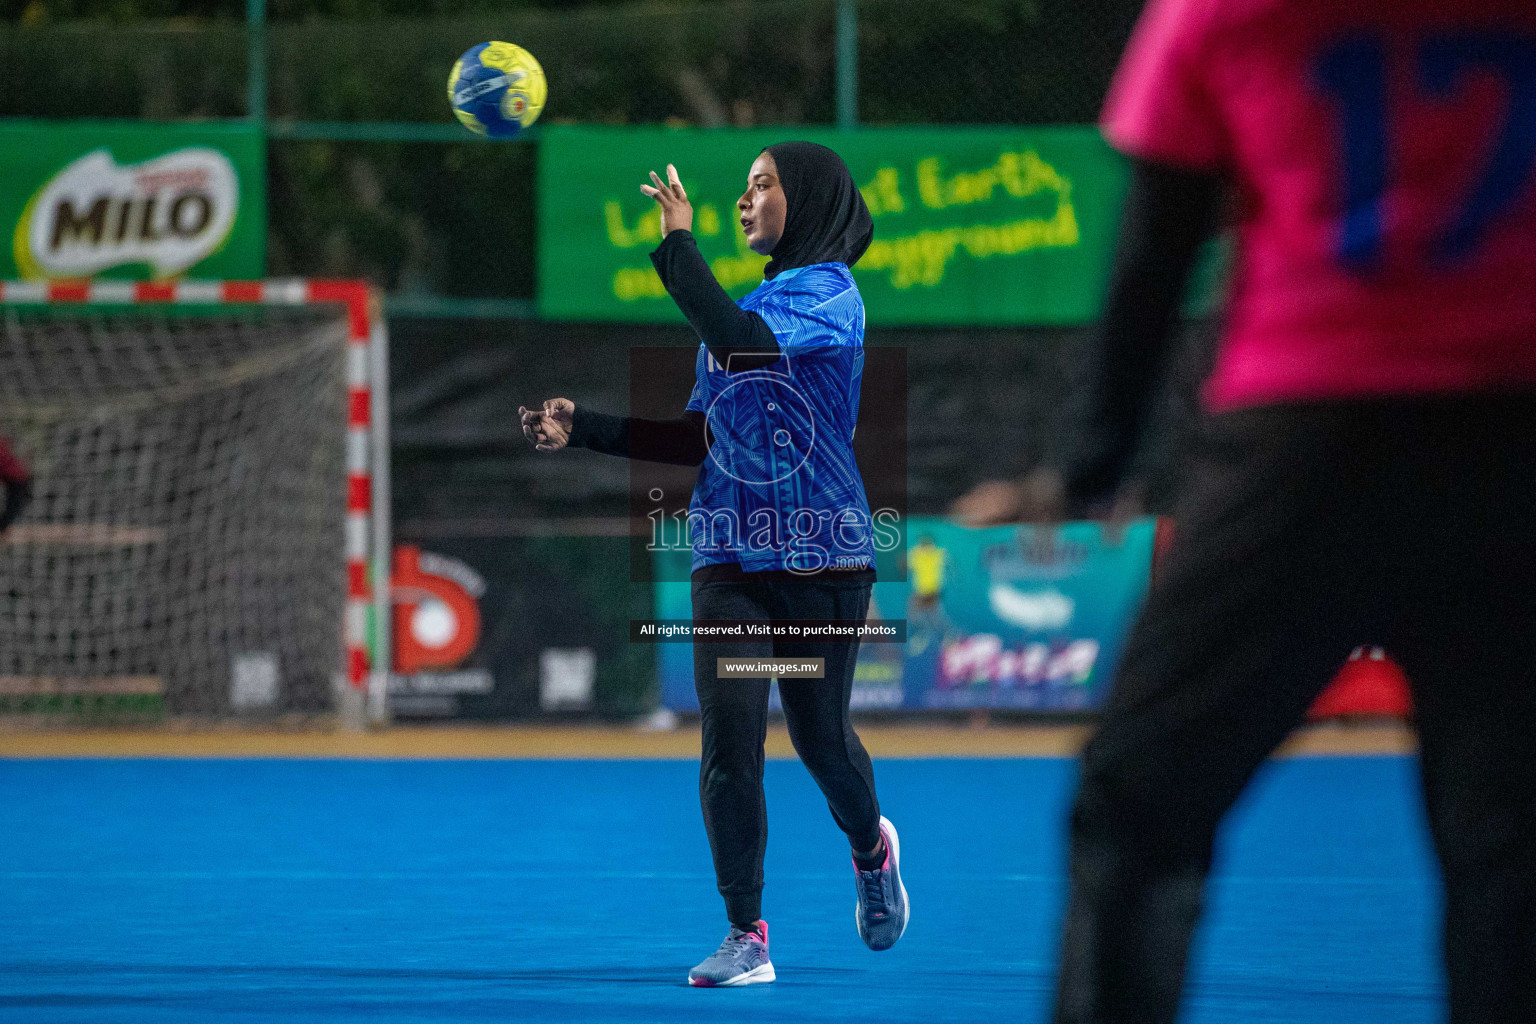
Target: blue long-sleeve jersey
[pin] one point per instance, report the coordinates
(780, 488)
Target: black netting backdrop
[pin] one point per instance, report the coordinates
(740, 62)
(989, 61)
(981, 404)
(159, 70)
(710, 64)
(416, 217)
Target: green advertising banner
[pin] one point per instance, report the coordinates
(972, 225)
(126, 200)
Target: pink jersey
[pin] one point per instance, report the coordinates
(1385, 151)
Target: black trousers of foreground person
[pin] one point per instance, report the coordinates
(1304, 531)
(734, 717)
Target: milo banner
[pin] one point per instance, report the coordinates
(1011, 617)
(84, 199)
(972, 225)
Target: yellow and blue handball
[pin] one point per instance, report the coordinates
(496, 89)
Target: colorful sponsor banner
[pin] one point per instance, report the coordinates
(435, 617)
(972, 225)
(1012, 617)
(123, 200)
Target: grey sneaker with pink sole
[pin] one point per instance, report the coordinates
(882, 910)
(742, 959)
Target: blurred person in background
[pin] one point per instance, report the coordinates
(770, 422)
(1366, 464)
(17, 479)
(928, 569)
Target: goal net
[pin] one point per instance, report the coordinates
(199, 534)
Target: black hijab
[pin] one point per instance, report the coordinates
(826, 220)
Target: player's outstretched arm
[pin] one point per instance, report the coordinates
(560, 423)
(1168, 213)
(1039, 497)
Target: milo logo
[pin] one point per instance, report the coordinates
(169, 213)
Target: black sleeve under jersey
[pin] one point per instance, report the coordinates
(679, 442)
(1168, 213)
(739, 340)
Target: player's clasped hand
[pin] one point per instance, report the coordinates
(676, 210)
(548, 429)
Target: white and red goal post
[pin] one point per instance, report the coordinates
(365, 653)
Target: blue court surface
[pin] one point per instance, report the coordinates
(380, 891)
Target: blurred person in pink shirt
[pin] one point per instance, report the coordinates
(1365, 469)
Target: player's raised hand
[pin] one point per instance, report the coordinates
(676, 210)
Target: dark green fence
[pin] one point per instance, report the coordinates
(370, 177)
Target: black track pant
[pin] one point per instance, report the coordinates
(735, 723)
(1305, 531)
